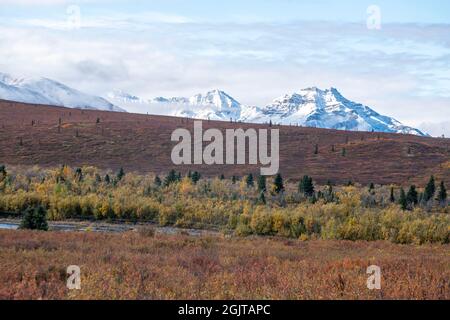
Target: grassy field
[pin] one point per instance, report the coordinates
(140, 265)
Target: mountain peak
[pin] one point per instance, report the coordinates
(42, 90)
(123, 96)
(327, 108)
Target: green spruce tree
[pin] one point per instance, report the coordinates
(392, 196)
(262, 185)
(120, 174)
(412, 197)
(442, 194)
(430, 190)
(402, 201)
(278, 185)
(262, 198)
(249, 181)
(306, 186)
(34, 219)
(195, 177)
(172, 177)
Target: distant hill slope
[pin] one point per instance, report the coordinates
(142, 143)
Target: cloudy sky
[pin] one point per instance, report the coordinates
(391, 55)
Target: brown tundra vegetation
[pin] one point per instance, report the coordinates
(141, 265)
(51, 136)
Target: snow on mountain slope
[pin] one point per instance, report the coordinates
(47, 91)
(310, 107)
(121, 96)
(213, 105)
(174, 100)
(313, 107)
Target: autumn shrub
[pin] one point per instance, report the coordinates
(342, 212)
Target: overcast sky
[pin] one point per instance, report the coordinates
(253, 50)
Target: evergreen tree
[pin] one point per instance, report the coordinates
(306, 186)
(262, 185)
(98, 178)
(442, 194)
(412, 197)
(222, 177)
(371, 187)
(79, 174)
(34, 219)
(233, 179)
(172, 177)
(262, 198)
(402, 201)
(430, 190)
(120, 174)
(2, 173)
(249, 181)
(329, 188)
(195, 177)
(392, 197)
(278, 185)
(157, 181)
(107, 179)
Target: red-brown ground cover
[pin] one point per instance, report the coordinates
(139, 265)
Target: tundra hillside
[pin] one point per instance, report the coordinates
(53, 136)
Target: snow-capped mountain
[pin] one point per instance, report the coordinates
(50, 92)
(310, 107)
(314, 107)
(213, 105)
(174, 100)
(121, 96)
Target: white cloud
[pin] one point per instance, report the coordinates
(436, 129)
(400, 71)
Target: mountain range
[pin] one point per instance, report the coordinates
(310, 107)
